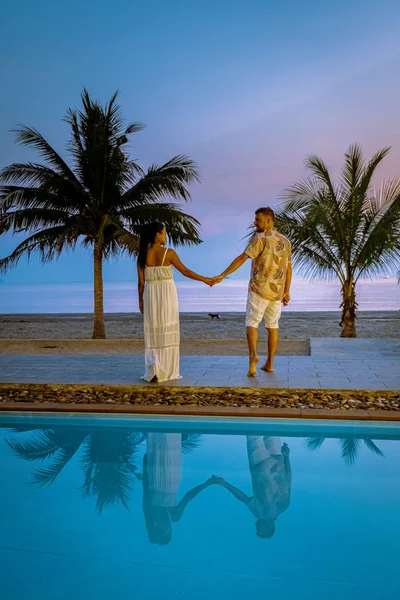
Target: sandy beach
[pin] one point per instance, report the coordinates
(196, 326)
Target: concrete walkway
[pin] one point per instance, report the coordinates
(333, 364)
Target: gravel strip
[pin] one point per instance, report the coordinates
(164, 396)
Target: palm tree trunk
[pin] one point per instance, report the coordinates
(349, 306)
(98, 324)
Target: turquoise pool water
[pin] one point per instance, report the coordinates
(95, 507)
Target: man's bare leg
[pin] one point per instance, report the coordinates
(273, 338)
(252, 336)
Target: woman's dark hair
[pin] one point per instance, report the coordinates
(147, 239)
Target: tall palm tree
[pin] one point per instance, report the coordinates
(345, 229)
(350, 447)
(100, 199)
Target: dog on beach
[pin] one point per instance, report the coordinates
(213, 315)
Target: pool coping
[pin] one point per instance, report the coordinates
(205, 411)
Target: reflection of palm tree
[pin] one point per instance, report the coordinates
(190, 442)
(108, 464)
(350, 447)
(107, 459)
(58, 445)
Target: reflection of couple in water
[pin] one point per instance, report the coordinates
(270, 474)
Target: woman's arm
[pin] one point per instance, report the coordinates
(177, 511)
(140, 286)
(176, 262)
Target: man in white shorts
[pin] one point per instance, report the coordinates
(271, 478)
(270, 279)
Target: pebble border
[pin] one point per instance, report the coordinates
(383, 404)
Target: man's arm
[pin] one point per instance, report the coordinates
(236, 492)
(234, 266)
(288, 281)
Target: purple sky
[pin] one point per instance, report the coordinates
(247, 89)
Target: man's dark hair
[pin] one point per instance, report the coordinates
(267, 211)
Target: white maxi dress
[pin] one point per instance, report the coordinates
(161, 324)
(164, 466)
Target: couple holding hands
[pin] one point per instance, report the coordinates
(269, 288)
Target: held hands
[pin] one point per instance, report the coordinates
(216, 480)
(209, 281)
(218, 279)
(213, 280)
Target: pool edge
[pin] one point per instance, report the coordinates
(204, 411)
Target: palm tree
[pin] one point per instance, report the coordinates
(350, 447)
(101, 198)
(347, 229)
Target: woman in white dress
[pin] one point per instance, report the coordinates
(158, 301)
(162, 470)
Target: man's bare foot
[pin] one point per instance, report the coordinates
(268, 367)
(253, 366)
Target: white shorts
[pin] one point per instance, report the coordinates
(258, 308)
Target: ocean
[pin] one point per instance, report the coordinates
(229, 296)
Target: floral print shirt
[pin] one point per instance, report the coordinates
(270, 252)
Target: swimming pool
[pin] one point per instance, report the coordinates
(122, 507)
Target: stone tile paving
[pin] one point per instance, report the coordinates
(329, 372)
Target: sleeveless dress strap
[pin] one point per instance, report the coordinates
(165, 254)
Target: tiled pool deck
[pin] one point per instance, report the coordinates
(333, 364)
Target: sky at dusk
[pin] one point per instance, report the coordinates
(247, 89)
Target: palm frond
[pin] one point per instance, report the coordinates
(190, 442)
(31, 219)
(38, 446)
(379, 248)
(350, 448)
(314, 443)
(181, 227)
(57, 446)
(313, 256)
(28, 136)
(169, 180)
(48, 243)
(373, 447)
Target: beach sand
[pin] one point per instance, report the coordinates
(196, 326)
(200, 335)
